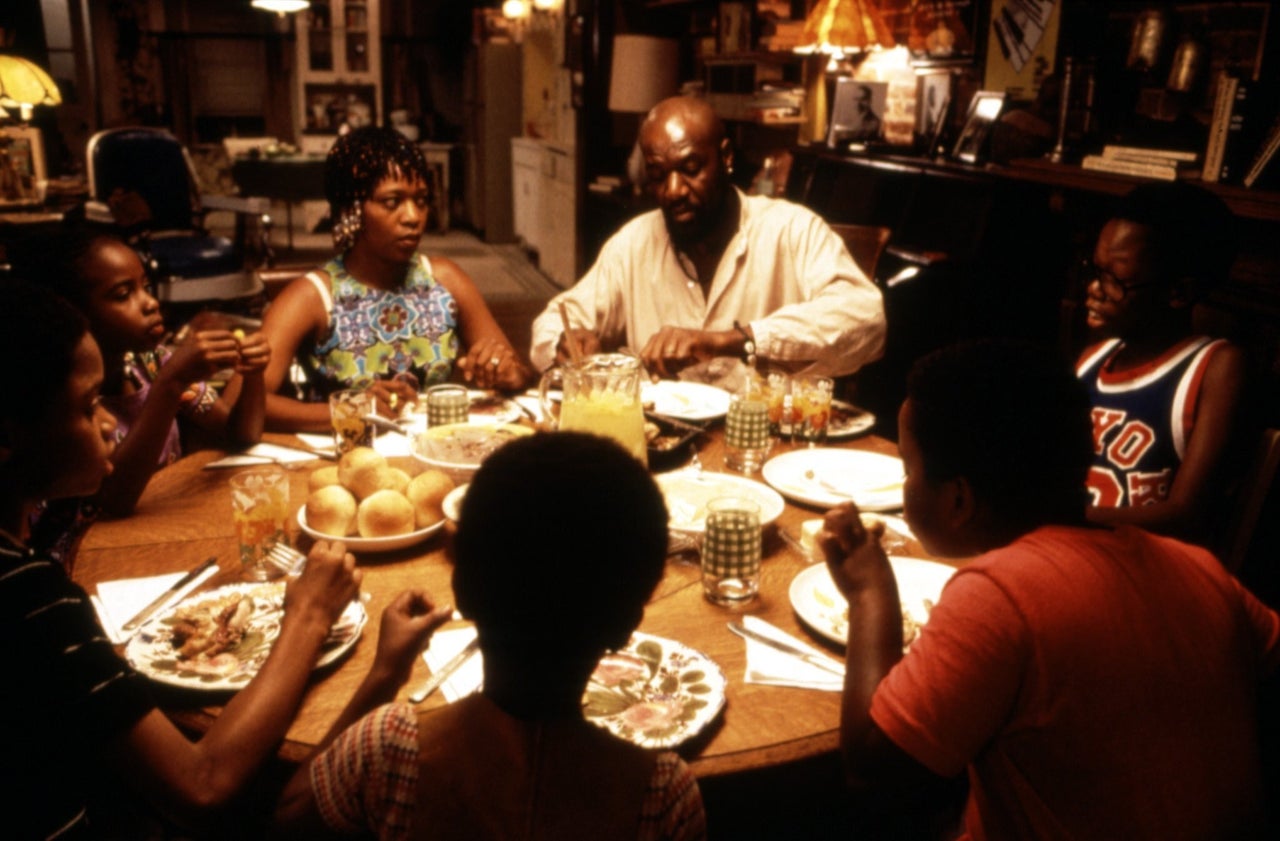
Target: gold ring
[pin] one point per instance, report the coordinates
(495, 361)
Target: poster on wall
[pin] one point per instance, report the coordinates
(936, 32)
(1023, 36)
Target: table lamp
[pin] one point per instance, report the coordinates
(23, 85)
(281, 7)
(643, 73)
(833, 29)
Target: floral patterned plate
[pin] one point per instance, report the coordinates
(151, 651)
(655, 692)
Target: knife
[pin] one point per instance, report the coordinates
(813, 659)
(674, 422)
(440, 676)
(164, 598)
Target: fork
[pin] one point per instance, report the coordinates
(287, 559)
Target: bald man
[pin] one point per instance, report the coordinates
(713, 274)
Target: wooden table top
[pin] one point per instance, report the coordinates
(184, 517)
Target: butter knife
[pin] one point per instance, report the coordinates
(438, 677)
(165, 597)
(795, 651)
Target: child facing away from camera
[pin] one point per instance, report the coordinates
(518, 759)
(1166, 401)
(155, 389)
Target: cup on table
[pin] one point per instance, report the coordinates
(777, 391)
(811, 399)
(348, 412)
(446, 404)
(731, 551)
(746, 432)
(260, 512)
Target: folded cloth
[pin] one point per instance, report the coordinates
(772, 667)
(264, 453)
(116, 602)
(469, 676)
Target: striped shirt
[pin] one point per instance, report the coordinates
(64, 694)
(366, 780)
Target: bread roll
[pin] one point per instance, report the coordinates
(322, 478)
(384, 513)
(426, 492)
(395, 479)
(358, 471)
(331, 510)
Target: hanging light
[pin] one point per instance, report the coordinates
(515, 9)
(281, 7)
(834, 29)
(24, 85)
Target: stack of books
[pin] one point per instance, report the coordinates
(1238, 132)
(1143, 162)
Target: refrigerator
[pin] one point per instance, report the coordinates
(492, 106)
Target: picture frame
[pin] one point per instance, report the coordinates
(949, 33)
(857, 111)
(984, 110)
(23, 177)
(735, 28)
(933, 96)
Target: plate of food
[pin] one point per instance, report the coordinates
(687, 493)
(685, 400)
(217, 640)
(666, 438)
(490, 407)
(822, 607)
(826, 477)
(372, 506)
(654, 692)
(459, 448)
(356, 543)
(847, 420)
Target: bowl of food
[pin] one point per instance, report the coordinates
(459, 449)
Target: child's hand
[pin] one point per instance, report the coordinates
(852, 548)
(328, 583)
(202, 355)
(407, 625)
(255, 352)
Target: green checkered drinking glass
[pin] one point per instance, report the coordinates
(731, 551)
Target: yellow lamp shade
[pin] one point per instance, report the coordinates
(24, 85)
(845, 26)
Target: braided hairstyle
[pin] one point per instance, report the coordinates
(356, 164)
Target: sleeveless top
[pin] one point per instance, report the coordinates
(374, 334)
(1142, 419)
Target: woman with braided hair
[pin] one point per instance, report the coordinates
(380, 314)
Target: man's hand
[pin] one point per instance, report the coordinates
(852, 549)
(585, 341)
(407, 625)
(672, 349)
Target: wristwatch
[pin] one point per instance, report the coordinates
(748, 345)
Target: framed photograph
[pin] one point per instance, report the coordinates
(22, 171)
(938, 34)
(735, 28)
(856, 112)
(933, 95)
(984, 110)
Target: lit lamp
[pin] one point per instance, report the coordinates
(23, 85)
(833, 29)
(644, 72)
(281, 7)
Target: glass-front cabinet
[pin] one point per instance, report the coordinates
(339, 69)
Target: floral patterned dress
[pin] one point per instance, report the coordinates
(373, 334)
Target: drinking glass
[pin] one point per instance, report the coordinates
(731, 551)
(447, 404)
(348, 412)
(260, 513)
(811, 397)
(746, 432)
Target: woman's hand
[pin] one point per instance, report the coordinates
(391, 396)
(852, 549)
(492, 363)
(407, 625)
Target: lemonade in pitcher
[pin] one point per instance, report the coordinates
(613, 414)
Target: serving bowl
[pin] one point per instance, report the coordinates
(460, 448)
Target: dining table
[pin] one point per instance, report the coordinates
(184, 516)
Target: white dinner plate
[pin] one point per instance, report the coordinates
(847, 420)
(371, 544)
(654, 692)
(151, 650)
(685, 400)
(687, 493)
(817, 601)
(452, 503)
(826, 477)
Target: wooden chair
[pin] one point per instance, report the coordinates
(865, 243)
(1256, 486)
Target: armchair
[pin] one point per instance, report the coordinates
(142, 182)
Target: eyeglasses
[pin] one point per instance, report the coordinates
(1112, 287)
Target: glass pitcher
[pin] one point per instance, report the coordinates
(601, 395)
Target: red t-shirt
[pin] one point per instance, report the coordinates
(1095, 684)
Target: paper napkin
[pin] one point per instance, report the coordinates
(769, 666)
(264, 453)
(116, 602)
(469, 676)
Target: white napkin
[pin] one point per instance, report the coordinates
(469, 676)
(532, 403)
(269, 453)
(769, 666)
(119, 601)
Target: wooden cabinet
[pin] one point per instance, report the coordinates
(339, 61)
(544, 194)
